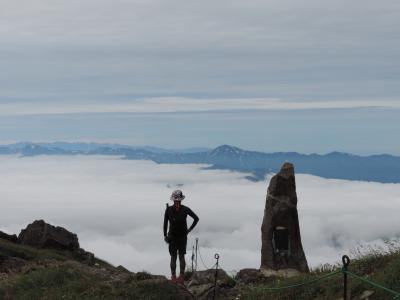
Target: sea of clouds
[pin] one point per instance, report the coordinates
(116, 207)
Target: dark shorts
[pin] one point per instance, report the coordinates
(177, 244)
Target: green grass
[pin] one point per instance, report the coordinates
(68, 278)
(8, 249)
(28, 253)
(71, 281)
(376, 264)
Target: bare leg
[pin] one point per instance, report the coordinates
(182, 264)
(173, 265)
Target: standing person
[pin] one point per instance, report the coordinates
(177, 234)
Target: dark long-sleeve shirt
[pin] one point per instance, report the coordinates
(177, 221)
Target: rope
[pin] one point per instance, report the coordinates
(300, 283)
(289, 286)
(202, 261)
(375, 284)
(227, 272)
(346, 262)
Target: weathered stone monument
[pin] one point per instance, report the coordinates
(282, 252)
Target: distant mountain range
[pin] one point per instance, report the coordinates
(379, 168)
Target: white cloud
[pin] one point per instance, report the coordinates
(116, 207)
(180, 104)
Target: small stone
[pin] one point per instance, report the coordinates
(366, 294)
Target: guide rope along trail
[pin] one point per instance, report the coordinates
(344, 270)
(202, 261)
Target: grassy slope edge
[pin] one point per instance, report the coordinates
(381, 265)
(29, 273)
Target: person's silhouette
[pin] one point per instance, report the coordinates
(176, 236)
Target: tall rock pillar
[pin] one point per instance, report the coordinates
(282, 252)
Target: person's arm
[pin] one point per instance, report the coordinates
(195, 219)
(165, 222)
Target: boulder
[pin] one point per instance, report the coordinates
(282, 252)
(39, 234)
(9, 237)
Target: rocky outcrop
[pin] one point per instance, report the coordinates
(39, 234)
(9, 237)
(282, 251)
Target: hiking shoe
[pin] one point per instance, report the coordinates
(181, 280)
(173, 279)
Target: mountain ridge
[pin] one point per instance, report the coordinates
(384, 168)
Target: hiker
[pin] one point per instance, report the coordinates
(177, 233)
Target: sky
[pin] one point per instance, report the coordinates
(117, 206)
(287, 75)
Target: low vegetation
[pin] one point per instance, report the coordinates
(378, 264)
(29, 273)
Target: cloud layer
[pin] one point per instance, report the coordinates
(180, 104)
(116, 207)
(78, 50)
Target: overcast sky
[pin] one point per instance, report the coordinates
(116, 207)
(63, 60)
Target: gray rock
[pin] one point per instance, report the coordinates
(282, 252)
(39, 234)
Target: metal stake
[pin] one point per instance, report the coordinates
(216, 256)
(197, 247)
(346, 262)
(193, 259)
